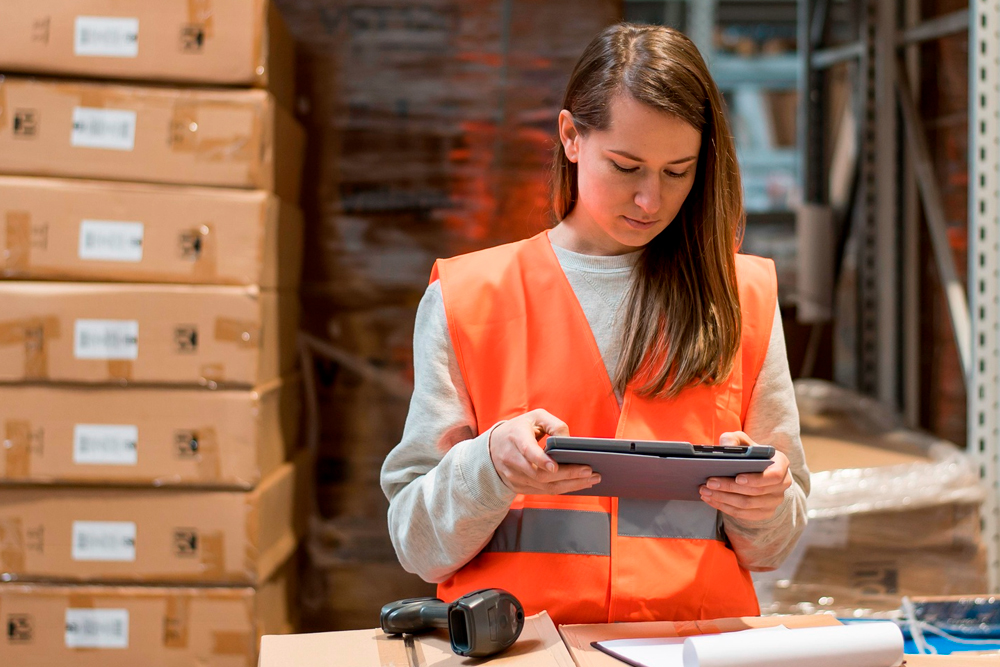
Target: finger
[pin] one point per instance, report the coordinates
(533, 455)
(543, 477)
(542, 423)
(565, 472)
(735, 439)
(545, 423)
(729, 485)
(753, 512)
(567, 486)
(742, 500)
(750, 483)
(735, 505)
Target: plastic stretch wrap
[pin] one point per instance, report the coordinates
(892, 512)
(944, 476)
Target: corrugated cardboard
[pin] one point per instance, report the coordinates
(150, 535)
(185, 136)
(61, 229)
(538, 646)
(147, 435)
(237, 42)
(167, 627)
(101, 332)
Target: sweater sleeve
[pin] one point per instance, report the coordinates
(445, 497)
(773, 419)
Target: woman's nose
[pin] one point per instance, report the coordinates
(648, 197)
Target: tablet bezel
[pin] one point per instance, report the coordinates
(625, 474)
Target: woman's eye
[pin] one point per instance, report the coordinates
(672, 174)
(623, 169)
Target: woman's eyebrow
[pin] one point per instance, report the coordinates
(629, 156)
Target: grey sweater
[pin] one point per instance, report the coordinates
(445, 497)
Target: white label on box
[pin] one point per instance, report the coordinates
(106, 339)
(109, 37)
(103, 128)
(106, 444)
(111, 241)
(96, 628)
(104, 541)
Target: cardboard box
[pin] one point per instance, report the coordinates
(538, 646)
(849, 582)
(234, 42)
(950, 525)
(228, 138)
(151, 535)
(59, 229)
(147, 435)
(101, 332)
(896, 572)
(108, 626)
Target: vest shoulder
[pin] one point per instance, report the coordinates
(480, 266)
(758, 283)
(491, 255)
(754, 266)
(756, 272)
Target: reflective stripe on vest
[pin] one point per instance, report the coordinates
(532, 530)
(682, 519)
(554, 531)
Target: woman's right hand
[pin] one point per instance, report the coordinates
(524, 467)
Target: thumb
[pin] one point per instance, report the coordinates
(545, 423)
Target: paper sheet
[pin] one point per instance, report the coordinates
(875, 644)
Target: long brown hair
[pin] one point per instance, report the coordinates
(682, 321)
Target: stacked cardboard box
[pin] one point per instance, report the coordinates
(150, 245)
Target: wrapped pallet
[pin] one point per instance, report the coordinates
(893, 512)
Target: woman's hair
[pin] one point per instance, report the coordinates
(682, 314)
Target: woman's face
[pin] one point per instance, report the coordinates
(632, 178)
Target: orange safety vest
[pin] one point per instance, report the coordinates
(522, 342)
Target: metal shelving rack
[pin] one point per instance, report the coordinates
(984, 264)
(889, 187)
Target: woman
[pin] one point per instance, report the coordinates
(633, 317)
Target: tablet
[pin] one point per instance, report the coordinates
(655, 469)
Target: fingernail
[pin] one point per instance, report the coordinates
(741, 480)
(596, 479)
(586, 473)
(712, 484)
(550, 466)
(705, 493)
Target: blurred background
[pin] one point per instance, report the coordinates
(867, 139)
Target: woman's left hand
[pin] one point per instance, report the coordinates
(750, 496)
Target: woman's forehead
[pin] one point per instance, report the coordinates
(645, 132)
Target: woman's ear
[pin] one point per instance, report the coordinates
(569, 136)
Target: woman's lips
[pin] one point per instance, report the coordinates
(639, 224)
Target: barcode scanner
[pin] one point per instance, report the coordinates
(479, 624)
